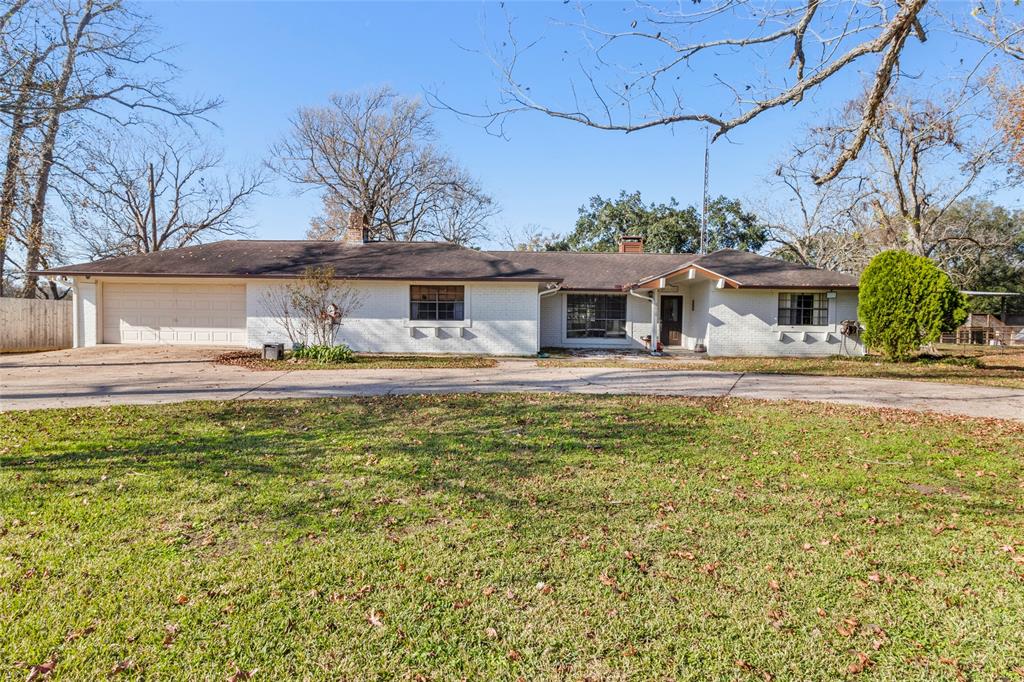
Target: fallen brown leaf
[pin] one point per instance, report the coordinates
(122, 666)
(240, 675)
(43, 670)
(860, 665)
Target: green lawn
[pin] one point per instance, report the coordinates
(977, 365)
(499, 537)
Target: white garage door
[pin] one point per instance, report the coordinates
(211, 314)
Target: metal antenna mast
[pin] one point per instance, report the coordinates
(704, 209)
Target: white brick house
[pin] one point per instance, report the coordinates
(422, 297)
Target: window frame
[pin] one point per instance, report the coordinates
(453, 295)
(787, 309)
(596, 298)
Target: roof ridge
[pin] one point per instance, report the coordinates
(593, 253)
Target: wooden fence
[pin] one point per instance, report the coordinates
(35, 324)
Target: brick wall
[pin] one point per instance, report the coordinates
(745, 322)
(501, 319)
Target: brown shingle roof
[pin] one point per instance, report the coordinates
(598, 271)
(751, 270)
(616, 271)
(439, 261)
(374, 260)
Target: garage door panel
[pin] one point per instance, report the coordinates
(174, 313)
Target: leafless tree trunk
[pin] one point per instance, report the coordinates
(92, 77)
(13, 163)
(71, 39)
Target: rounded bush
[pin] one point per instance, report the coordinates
(906, 301)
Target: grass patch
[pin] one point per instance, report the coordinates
(1002, 367)
(253, 360)
(498, 537)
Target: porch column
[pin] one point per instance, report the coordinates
(655, 309)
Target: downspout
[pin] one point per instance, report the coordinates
(550, 290)
(654, 318)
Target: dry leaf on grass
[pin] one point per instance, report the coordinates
(862, 663)
(122, 666)
(240, 675)
(43, 670)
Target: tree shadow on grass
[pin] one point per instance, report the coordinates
(471, 448)
(481, 452)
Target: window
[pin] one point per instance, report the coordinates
(437, 303)
(595, 316)
(803, 309)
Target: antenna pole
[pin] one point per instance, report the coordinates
(704, 209)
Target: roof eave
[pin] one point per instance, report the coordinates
(801, 286)
(80, 273)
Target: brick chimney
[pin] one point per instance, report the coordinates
(358, 231)
(631, 244)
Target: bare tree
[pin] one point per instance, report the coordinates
(814, 225)
(462, 213)
(19, 92)
(996, 23)
(802, 46)
(529, 238)
(105, 67)
(311, 308)
(925, 156)
(906, 190)
(140, 197)
(373, 153)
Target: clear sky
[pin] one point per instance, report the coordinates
(265, 59)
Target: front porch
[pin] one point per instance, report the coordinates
(679, 309)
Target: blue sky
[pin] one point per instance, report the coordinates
(265, 59)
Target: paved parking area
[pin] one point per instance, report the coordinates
(109, 375)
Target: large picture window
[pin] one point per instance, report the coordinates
(600, 316)
(808, 309)
(437, 303)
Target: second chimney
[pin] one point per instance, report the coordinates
(358, 231)
(631, 244)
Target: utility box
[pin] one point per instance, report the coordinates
(273, 351)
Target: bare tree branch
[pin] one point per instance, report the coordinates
(374, 153)
(845, 35)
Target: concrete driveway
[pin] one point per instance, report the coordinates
(109, 375)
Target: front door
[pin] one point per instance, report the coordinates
(671, 321)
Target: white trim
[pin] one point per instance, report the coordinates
(437, 325)
(594, 342)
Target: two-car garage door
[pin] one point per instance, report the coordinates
(210, 314)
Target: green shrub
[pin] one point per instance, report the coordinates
(906, 301)
(324, 355)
